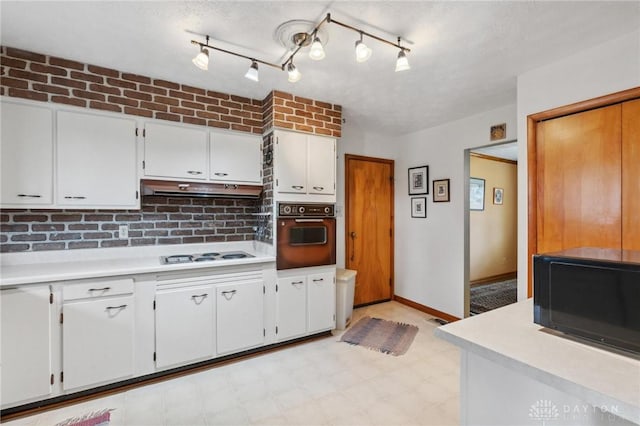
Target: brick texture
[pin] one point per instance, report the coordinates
(162, 220)
(45, 78)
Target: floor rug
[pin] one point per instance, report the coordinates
(486, 297)
(95, 418)
(388, 337)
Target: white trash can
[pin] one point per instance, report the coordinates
(345, 289)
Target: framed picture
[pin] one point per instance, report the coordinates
(419, 207)
(497, 195)
(441, 191)
(476, 194)
(419, 180)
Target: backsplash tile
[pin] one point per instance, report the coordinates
(161, 220)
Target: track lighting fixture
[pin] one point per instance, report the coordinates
(363, 53)
(316, 51)
(252, 72)
(294, 74)
(202, 59)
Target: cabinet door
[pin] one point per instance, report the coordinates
(240, 316)
(235, 157)
(184, 325)
(321, 177)
(291, 307)
(291, 162)
(630, 175)
(322, 301)
(26, 343)
(97, 341)
(96, 160)
(27, 155)
(175, 151)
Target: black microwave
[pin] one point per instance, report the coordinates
(590, 293)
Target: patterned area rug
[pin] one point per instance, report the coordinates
(96, 418)
(491, 296)
(380, 335)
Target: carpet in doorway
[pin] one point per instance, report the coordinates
(95, 418)
(380, 335)
(486, 297)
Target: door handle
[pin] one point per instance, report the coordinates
(353, 235)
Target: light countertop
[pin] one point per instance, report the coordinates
(509, 337)
(64, 265)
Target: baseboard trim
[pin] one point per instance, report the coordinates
(426, 309)
(495, 278)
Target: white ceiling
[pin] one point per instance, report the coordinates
(465, 55)
(508, 151)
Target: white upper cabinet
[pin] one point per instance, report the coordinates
(305, 167)
(321, 165)
(175, 152)
(26, 152)
(96, 161)
(235, 157)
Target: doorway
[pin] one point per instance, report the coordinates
(369, 232)
(491, 232)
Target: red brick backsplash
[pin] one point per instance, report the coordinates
(46, 78)
(161, 220)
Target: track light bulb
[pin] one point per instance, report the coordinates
(252, 72)
(363, 53)
(294, 74)
(317, 51)
(402, 63)
(202, 59)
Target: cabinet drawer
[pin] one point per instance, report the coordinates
(92, 289)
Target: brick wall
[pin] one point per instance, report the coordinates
(161, 220)
(46, 78)
(49, 79)
(286, 111)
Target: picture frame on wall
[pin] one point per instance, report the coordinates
(419, 207)
(498, 195)
(441, 191)
(419, 180)
(476, 194)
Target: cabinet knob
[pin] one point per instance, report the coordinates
(221, 174)
(297, 187)
(29, 195)
(194, 172)
(318, 188)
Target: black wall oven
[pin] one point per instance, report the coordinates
(305, 235)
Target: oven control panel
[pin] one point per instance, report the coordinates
(299, 210)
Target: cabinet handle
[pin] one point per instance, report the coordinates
(221, 174)
(116, 307)
(317, 280)
(203, 295)
(296, 283)
(194, 172)
(75, 197)
(318, 188)
(99, 289)
(297, 186)
(228, 294)
(30, 195)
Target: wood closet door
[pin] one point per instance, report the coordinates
(578, 180)
(631, 175)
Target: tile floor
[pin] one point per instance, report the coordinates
(325, 382)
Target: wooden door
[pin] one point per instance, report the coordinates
(369, 227)
(631, 175)
(578, 180)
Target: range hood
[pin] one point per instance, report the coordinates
(199, 189)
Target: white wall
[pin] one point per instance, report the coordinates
(430, 253)
(603, 69)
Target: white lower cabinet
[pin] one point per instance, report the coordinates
(322, 301)
(26, 344)
(184, 325)
(291, 307)
(240, 315)
(97, 341)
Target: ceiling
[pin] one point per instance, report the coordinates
(464, 57)
(508, 151)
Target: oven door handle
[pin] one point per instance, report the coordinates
(309, 220)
